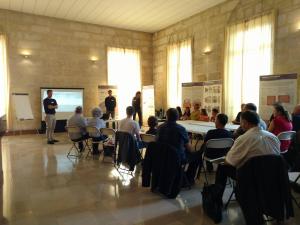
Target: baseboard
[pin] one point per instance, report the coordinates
(20, 132)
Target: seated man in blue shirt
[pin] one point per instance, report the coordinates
(176, 135)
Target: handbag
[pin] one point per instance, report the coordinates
(212, 202)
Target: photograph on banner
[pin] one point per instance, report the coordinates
(212, 96)
(192, 93)
(277, 88)
(148, 102)
(103, 93)
(208, 94)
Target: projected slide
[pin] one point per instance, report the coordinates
(67, 100)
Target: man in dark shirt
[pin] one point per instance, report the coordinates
(136, 103)
(176, 135)
(50, 105)
(110, 104)
(219, 132)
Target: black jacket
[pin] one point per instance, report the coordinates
(110, 103)
(263, 188)
(128, 151)
(162, 168)
(136, 103)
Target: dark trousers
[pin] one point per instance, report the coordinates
(80, 141)
(139, 112)
(111, 113)
(194, 159)
(223, 172)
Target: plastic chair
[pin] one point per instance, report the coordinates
(286, 136)
(74, 130)
(218, 148)
(147, 138)
(111, 134)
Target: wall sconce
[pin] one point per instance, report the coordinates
(25, 54)
(207, 51)
(93, 59)
(298, 27)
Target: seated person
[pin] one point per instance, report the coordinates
(296, 118)
(187, 114)
(214, 114)
(98, 123)
(77, 120)
(105, 118)
(281, 123)
(219, 132)
(204, 116)
(250, 107)
(179, 111)
(176, 135)
(254, 142)
(272, 115)
(237, 119)
(131, 126)
(196, 113)
(152, 123)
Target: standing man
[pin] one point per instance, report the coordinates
(110, 104)
(49, 107)
(136, 104)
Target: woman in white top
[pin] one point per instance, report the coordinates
(98, 123)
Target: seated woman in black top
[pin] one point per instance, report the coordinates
(152, 123)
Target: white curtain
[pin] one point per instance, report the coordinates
(3, 78)
(124, 71)
(248, 54)
(179, 70)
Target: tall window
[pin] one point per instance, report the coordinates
(3, 77)
(124, 71)
(248, 54)
(179, 70)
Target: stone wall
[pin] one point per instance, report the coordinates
(208, 30)
(60, 52)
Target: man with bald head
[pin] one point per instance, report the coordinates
(296, 118)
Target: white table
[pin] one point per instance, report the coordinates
(200, 127)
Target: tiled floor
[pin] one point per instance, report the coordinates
(43, 187)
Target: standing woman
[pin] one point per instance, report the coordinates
(280, 123)
(136, 104)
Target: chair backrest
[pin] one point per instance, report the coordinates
(216, 148)
(93, 130)
(108, 131)
(73, 129)
(147, 138)
(286, 136)
(219, 143)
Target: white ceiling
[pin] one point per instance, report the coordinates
(142, 15)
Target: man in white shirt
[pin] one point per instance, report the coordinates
(255, 142)
(77, 120)
(129, 125)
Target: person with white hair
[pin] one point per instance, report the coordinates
(99, 123)
(77, 120)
